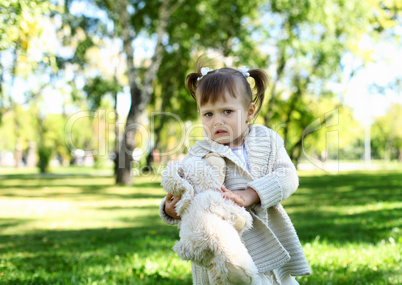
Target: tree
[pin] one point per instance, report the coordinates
(140, 96)
(387, 134)
(306, 41)
(173, 24)
(21, 29)
(21, 24)
(194, 30)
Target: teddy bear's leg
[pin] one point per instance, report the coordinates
(239, 223)
(232, 264)
(243, 221)
(200, 255)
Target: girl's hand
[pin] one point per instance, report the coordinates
(244, 198)
(170, 204)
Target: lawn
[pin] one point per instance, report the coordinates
(79, 228)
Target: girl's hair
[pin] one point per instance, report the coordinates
(214, 84)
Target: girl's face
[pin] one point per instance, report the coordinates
(226, 120)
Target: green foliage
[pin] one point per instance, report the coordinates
(96, 88)
(81, 50)
(18, 125)
(308, 39)
(19, 21)
(300, 44)
(22, 24)
(386, 134)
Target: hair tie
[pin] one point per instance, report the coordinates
(204, 71)
(244, 70)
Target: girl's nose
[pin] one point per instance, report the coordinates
(218, 121)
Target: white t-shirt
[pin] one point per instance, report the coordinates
(241, 153)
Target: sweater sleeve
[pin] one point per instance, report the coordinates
(280, 183)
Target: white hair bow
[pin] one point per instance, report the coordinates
(204, 71)
(244, 70)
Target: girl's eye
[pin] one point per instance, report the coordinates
(227, 112)
(208, 114)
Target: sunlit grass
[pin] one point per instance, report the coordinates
(83, 229)
(349, 225)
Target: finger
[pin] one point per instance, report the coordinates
(228, 195)
(238, 200)
(225, 195)
(224, 189)
(169, 197)
(176, 199)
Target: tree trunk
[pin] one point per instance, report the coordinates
(116, 128)
(296, 152)
(2, 97)
(139, 98)
(301, 88)
(292, 106)
(165, 100)
(271, 102)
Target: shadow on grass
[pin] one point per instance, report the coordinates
(108, 256)
(49, 176)
(4, 223)
(352, 189)
(367, 227)
(316, 207)
(139, 254)
(91, 185)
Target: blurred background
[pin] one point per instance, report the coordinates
(75, 74)
(93, 106)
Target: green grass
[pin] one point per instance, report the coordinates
(75, 227)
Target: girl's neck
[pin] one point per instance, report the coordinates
(239, 141)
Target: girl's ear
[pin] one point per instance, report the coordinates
(250, 112)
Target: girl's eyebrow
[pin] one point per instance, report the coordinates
(204, 110)
(220, 108)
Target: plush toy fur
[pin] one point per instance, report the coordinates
(210, 226)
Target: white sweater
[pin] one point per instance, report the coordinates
(272, 242)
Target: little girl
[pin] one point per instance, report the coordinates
(259, 172)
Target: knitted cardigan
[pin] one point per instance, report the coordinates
(272, 242)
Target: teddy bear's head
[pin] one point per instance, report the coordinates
(192, 176)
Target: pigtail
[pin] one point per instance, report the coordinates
(261, 83)
(192, 82)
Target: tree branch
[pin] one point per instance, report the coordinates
(165, 12)
(127, 42)
(271, 102)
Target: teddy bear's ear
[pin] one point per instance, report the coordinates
(172, 182)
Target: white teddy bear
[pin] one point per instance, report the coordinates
(210, 226)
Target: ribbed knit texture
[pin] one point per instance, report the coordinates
(261, 241)
(272, 242)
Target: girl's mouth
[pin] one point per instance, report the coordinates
(220, 132)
